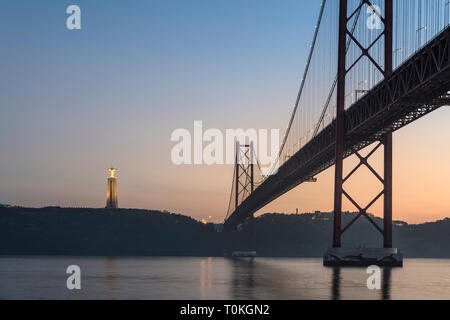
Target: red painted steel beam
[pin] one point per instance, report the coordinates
(388, 51)
(340, 125)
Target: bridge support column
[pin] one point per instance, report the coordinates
(387, 255)
(340, 125)
(244, 185)
(387, 140)
(340, 129)
(387, 214)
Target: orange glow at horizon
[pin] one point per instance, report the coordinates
(421, 180)
(421, 177)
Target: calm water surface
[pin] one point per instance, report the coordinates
(216, 278)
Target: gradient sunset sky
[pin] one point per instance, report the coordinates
(73, 103)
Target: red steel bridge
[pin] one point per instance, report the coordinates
(374, 67)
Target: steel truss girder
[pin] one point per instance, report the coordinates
(416, 88)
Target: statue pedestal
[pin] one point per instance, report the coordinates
(111, 194)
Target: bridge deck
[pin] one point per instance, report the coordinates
(419, 86)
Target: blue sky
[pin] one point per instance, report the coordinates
(73, 103)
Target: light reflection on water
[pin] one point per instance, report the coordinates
(216, 278)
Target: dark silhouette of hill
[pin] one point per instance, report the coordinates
(133, 232)
(104, 232)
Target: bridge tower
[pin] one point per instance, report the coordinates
(340, 151)
(244, 186)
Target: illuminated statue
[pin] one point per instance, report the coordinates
(112, 170)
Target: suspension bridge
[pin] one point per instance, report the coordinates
(374, 67)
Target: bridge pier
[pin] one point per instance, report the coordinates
(336, 255)
(244, 239)
(243, 242)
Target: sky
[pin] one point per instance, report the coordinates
(75, 102)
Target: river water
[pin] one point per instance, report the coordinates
(216, 278)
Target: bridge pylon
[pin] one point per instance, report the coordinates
(387, 255)
(244, 185)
